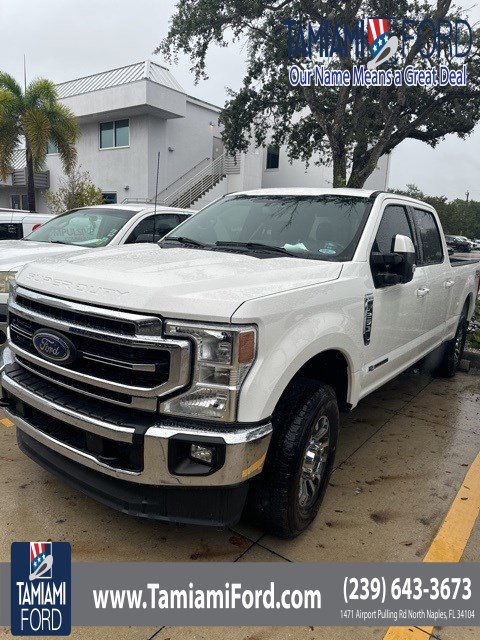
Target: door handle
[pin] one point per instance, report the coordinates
(449, 283)
(423, 291)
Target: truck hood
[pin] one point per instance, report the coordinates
(15, 253)
(174, 282)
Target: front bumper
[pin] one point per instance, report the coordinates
(213, 506)
(57, 429)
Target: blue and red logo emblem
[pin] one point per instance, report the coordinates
(40, 586)
(382, 46)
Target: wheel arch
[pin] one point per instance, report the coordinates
(330, 367)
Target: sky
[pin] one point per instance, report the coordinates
(66, 39)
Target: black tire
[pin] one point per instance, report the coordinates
(274, 501)
(453, 349)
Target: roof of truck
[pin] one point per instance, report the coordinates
(312, 191)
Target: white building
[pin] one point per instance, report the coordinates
(128, 116)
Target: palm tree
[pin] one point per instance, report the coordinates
(36, 117)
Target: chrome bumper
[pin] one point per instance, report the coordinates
(245, 448)
(3, 326)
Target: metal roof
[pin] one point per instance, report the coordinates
(146, 70)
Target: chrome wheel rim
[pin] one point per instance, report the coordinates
(314, 462)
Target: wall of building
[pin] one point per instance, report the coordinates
(110, 169)
(191, 139)
(295, 174)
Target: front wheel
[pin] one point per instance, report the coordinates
(453, 349)
(286, 497)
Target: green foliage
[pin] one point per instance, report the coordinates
(347, 127)
(77, 190)
(458, 217)
(473, 336)
(34, 116)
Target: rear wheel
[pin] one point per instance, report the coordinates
(453, 349)
(286, 497)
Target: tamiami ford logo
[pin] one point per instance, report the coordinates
(40, 589)
(384, 43)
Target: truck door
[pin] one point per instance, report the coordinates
(438, 273)
(397, 310)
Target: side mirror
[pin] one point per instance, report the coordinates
(404, 247)
(397, 267)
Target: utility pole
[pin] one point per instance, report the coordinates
(468, 195)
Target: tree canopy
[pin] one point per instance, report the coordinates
(349, 127)
(34, 117)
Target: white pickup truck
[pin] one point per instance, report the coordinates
(77, 230)
(187, 380)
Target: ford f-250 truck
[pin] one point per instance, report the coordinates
(187, 380)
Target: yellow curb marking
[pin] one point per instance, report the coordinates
(254, 467)
(451, 539)
(6, 423)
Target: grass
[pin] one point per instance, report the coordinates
(473, 336)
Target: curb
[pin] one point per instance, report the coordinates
(473, 357)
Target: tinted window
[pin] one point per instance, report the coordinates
(114, 134)
(273, 157)
(109, 198)
(20, 202)
(92, 227)
(144, 227)
(9, 231)
(325, 227)
(52, 147)
(394, 221)
(106, 135)
(153, 228)
(122, 133)
(429, 236)
(166, 223)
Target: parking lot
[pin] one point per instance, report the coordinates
(403, 454)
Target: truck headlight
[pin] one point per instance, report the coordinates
(223, 357)
(5, 278)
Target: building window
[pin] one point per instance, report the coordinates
(109, 198)
(273, 157)
(114, 134)
(52, 147)
(20, 201)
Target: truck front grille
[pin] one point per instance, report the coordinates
(120, 357)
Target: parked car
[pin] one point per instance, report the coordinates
(15, 224)
(470, 243)
(81, 230)
(459, 243)
(183, 380)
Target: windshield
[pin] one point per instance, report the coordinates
(324, 227)
(93, 227)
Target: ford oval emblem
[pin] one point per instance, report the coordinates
(54, 346)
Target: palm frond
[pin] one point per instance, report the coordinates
(8, 82)
(64, 133)
(10, 105)
(9, 143)
(40, 93)
(10, 130)
(37, 129)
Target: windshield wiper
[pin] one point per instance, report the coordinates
(184, 240)
(255, 246)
